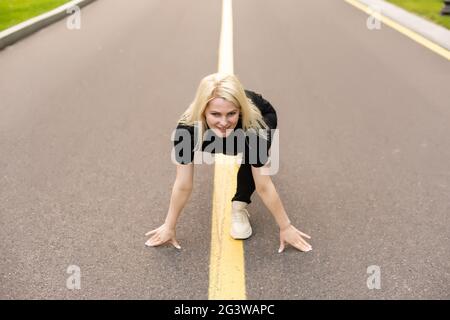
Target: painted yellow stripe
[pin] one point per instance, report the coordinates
(226, 61)
(227, 271)
(407, 32)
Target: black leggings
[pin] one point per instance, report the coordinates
(245, 183)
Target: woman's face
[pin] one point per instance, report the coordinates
(221, 116)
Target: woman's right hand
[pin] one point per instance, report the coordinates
(162, 235)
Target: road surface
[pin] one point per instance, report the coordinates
(85, 170)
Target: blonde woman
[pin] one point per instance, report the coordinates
(221, 108)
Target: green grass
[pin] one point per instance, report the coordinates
(13, 12)
(429, 9)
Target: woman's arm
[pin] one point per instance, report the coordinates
(181, 192)
(269, 195)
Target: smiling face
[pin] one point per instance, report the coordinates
(221, 116)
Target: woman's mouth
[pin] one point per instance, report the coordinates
(222, 131)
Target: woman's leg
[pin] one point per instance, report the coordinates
(245, 184)
(240, 222)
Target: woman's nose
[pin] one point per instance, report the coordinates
(223, 122)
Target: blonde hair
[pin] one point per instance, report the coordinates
(228, 87)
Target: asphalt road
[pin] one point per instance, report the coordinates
(85, 170)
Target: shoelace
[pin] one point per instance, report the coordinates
(238, 216)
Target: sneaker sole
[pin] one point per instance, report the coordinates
(242, 236)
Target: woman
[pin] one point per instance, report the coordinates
(222, 107)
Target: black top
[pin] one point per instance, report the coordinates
(251, 143)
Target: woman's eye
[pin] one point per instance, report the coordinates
(218, 114)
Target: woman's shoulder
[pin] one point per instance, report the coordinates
(252, 94)
(256, 97)
(260, 102)
(183, 132)
(181, 126)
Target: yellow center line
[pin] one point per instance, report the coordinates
(226, 61)
(226, 271)
(407, 32)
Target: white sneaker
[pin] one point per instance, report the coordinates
(240, 223)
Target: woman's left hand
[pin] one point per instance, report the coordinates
(293, 236)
